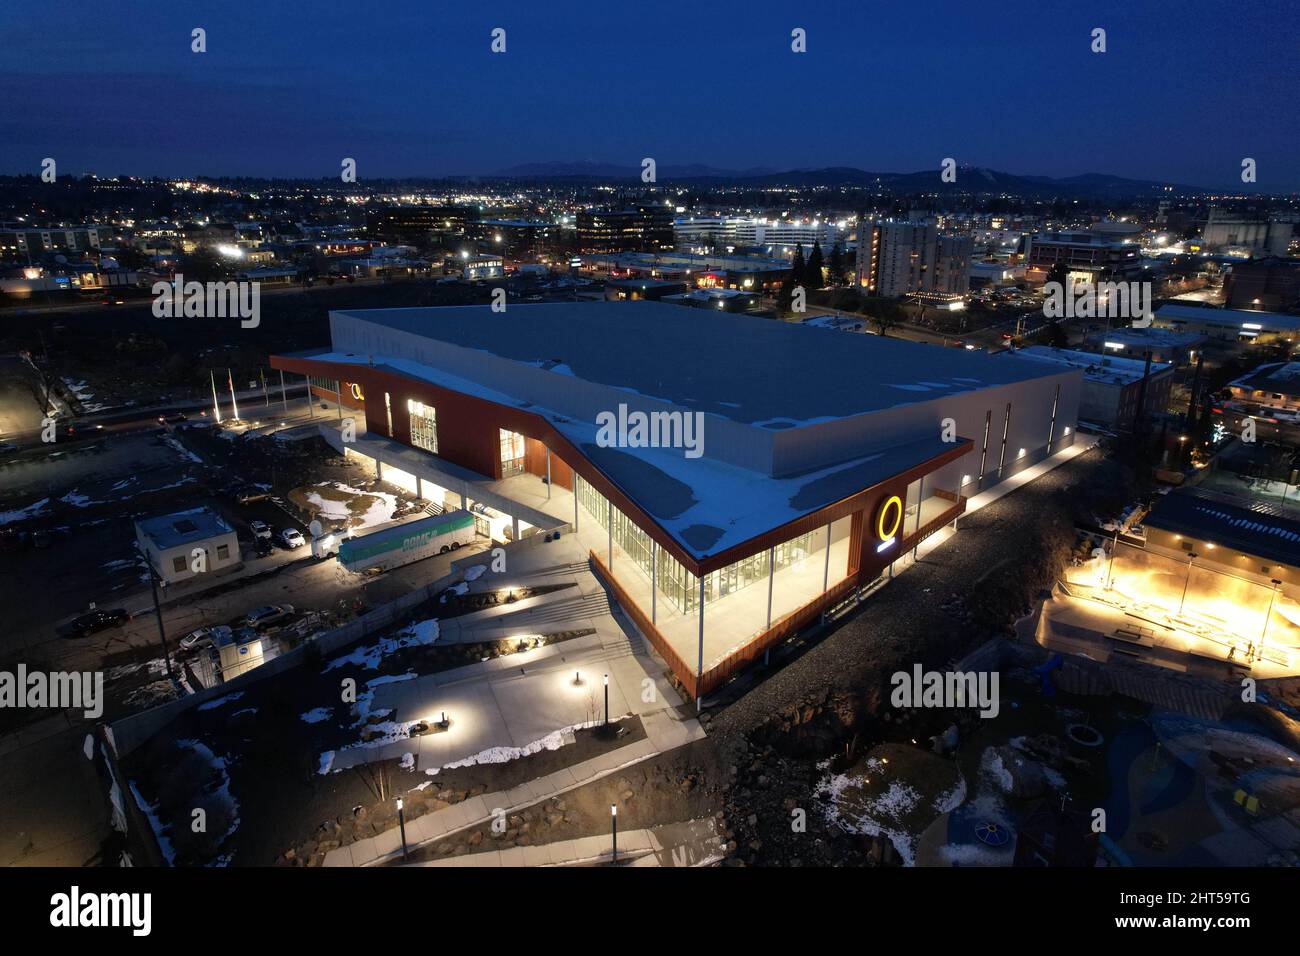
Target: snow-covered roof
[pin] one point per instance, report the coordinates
(754, 371)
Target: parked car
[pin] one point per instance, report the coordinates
(261, 530)
(203, 635)
(174, 417)
(97, 621)
(292, 538)
(266, 616)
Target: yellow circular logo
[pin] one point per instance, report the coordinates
(357, 393)
(889, 518)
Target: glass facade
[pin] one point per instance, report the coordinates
(512, 453)
(681, 587)
(424, 425)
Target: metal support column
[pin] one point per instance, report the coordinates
(699, 671)
(826, 575)
(920, 496)
(771, 577)
(548, 474)
(654, 580)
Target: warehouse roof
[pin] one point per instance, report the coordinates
(1254, 528)
(184, 527)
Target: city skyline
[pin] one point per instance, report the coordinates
(1019, 90)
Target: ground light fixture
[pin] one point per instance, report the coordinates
(613, 833)
(401, 825)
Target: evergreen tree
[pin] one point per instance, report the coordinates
(814, 272)
(798, 267)
(835, 264)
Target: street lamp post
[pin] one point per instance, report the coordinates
(1272, 595)
(606, 721)
(401, 825)
(1191, 556)
(613, 823)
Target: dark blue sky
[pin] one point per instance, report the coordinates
(289, 87)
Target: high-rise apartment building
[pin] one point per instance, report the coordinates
(904, 258)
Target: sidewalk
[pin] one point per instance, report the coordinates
(663, 733)
(695, 843)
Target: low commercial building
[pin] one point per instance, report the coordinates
(1249, 540)
(1274, 387)
(1113, 389)
(1272, 283)
(732, 477)
(723, 300)
(481, 267)
(1088, 256)
(1165, 345)
(188, 544)
(1229, 325)
(631, 290)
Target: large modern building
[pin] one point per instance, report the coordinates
(23, 242)
(644, 227)
(1266, 234)
(774, 236)
(732, 477)
(418, 224)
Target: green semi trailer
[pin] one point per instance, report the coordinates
(404, 543)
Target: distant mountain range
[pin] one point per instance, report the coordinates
(970, 179)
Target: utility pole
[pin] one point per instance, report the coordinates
(157, 610)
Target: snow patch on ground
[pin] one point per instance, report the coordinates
(380, 510)
(33, 510)
(182, 450)
(455, 589)
(476, 572)
(150, 810)
(217, 702)
(370, 656)
(316, 715)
